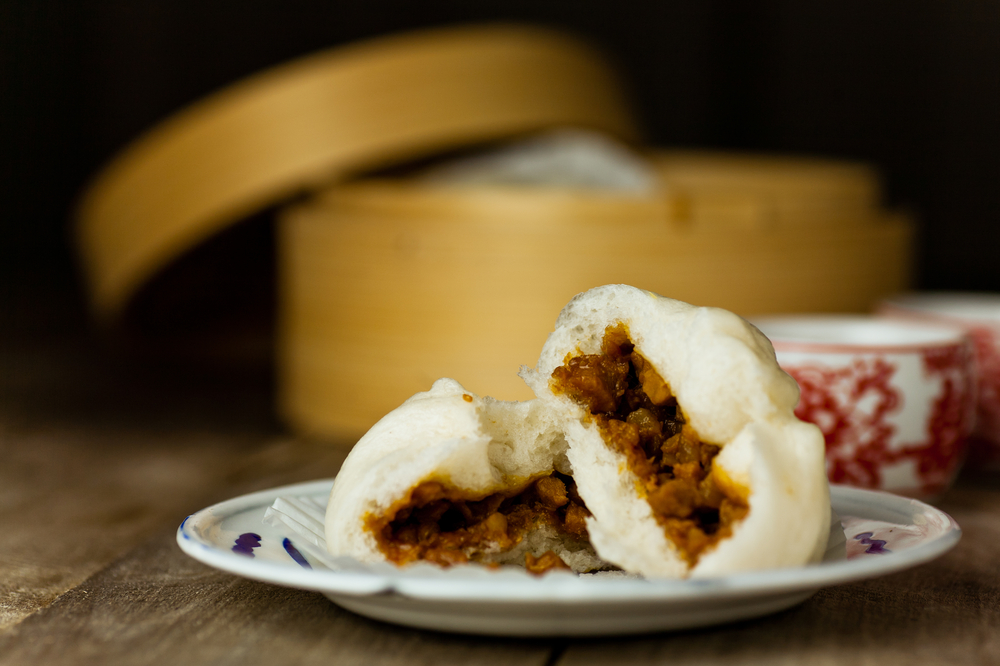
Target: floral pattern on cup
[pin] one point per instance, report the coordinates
(895, 413)
(987, 432)
(979, 315)
(859, 438)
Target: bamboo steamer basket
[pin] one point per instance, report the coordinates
(387, 284)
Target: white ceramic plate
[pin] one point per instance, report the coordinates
(883, 533)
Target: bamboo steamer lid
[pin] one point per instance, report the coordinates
(388, 285)
(318, 119)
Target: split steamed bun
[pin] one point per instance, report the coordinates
(474, 448)
(662, 441)
(728, 387)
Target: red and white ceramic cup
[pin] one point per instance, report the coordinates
(979, 315)
(895, 400)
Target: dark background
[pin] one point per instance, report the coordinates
(912, 86)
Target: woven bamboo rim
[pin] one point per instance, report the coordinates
(769, 189)
(317, 119)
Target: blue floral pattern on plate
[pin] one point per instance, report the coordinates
(881, 534)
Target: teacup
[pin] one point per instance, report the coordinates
(979, 315)
(895, 400)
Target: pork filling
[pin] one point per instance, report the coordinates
(638, 416)
(446, 526)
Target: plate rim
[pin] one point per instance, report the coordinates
(560, 588)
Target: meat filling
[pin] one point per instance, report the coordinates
(638, 416)
(438, 524)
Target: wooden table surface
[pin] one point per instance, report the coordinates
(100, 461)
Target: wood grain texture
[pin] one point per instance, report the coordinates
(71, 504)
(81, 483)
(158, 606)
(95, 458)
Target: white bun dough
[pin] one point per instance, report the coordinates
(729, 387)
(449, 435)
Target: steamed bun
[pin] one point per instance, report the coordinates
(448, 449)
(662, 441)
(730, 399)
